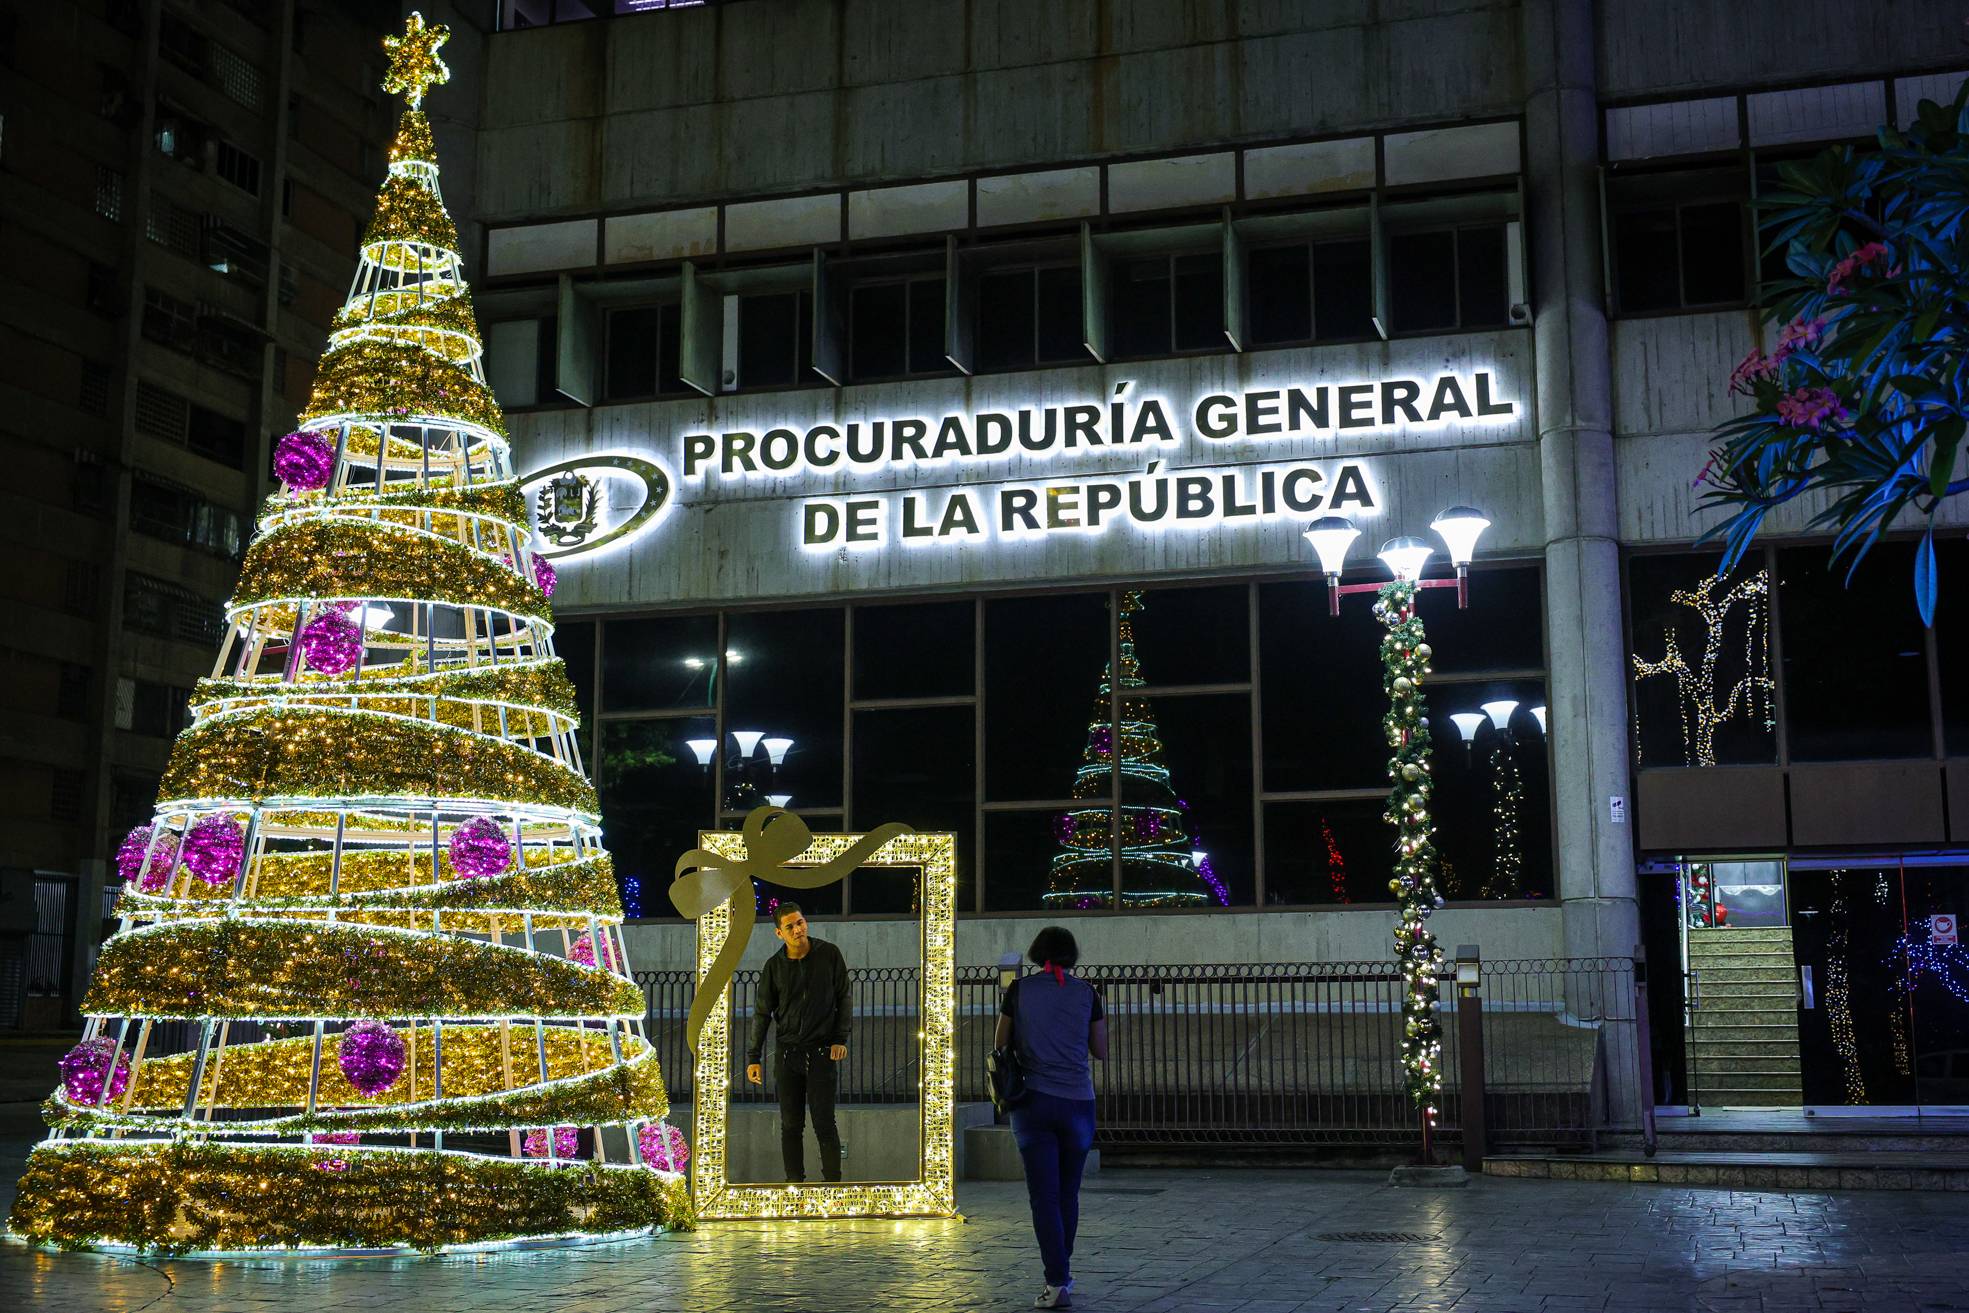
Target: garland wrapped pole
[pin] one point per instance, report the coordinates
(369, 989)
(1404, 664)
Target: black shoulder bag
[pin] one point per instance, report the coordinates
(1008, 1075)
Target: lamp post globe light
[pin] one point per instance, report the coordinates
(1404, 664)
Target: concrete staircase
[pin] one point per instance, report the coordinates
(1743, 1036)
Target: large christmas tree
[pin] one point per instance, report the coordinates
(1160, 864)
(369, 987)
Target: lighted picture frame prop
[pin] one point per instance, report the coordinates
(933, 1193)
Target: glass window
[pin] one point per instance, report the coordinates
(1855, 656)
(655, 798)
(1712, 253)
(1047, 861)
(1044, 658)
(785, 684)
(1321, 694)
(1279, 302)
(879, 324)
(926, 325)
(1647, 260)
(1005, 319)
(914, 650)
(1343, 291)
(1703, 693)
(1482, 294)
(1952, 641)
(574, 644)
(1193, 636)
(775, 339)
(1199, 308)
(918, 766)
(1061, 316)
(1503, 628)
(1331, 851)
(1186, 801)
(659, 662)
(1422, 280)
(1492, 800)
(632, 338)
(1138, 307)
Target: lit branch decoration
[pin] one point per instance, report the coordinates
(1702, 714)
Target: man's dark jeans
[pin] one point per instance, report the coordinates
(1054, 1135)
(807, 1080)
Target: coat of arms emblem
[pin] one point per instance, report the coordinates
(568, 509)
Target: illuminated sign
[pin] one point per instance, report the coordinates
(596, 503)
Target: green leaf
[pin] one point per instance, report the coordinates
(1947, 437)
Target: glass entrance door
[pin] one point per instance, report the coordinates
(1931, 974)
(1854, 1030)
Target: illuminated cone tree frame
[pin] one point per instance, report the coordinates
(368, 989)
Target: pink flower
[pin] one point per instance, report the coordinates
(1799, 335)
(1752, 369)
(1702, 475)
(1853, 263)
(1808, 408)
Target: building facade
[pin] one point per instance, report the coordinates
(184, 184)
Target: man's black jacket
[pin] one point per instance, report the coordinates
(806, 1000)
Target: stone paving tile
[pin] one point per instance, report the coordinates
(1210, 1242)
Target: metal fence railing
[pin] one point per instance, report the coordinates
(1253, 1055)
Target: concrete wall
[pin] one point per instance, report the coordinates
(1146, 938)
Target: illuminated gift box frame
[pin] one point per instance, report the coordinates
(933, 1193)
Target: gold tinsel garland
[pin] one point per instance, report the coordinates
(274, 1074)
(390, 382)
(186, 1196)
(264, 970)
(408, 211)
(318, 752)
(402, 310)
(539, 683)
(414, 140)
(372, 879)
(338, 558)
(502, 500)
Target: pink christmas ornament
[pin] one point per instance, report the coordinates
(331, 642)
(565, 1143)
(336, 1137)
(582, 950)
(652, 1141)
(545, 575)
(214, 848)
(84, 1066)
(304, 461)
(371, 1056)
(479, 848)
(163, 859)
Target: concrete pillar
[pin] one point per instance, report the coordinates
(1588, 695)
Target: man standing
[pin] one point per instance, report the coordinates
(803, 994)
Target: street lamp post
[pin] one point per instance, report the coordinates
(1404, 664)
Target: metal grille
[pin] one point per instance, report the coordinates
(109, 193)
(172, 226)
(237, 80)
(161, 414)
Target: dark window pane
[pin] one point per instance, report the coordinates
(1503, 628)
(656, 797)
(669, 348)
(574, 643)
(1138, 309)
(1200, 302)
(1645, 261)
(1712, 253)
(1482, 284)
(1422, 280)
(1952, 641)
(926, 327)
(657, 663)
(1005, 325)
(877, 330)
(1855, 662)
(1336, 851)
(1343, 291)
(786, 682)
(767, 339)
(1322, 701)
(1186, 801)
(1020, 852)
(631, 354)
(1279, 294)
(1193, 636)
(1666, 597)
(915, 766)
(1062, 328)
(1043, 662)
(913, 651)
(1492, 801)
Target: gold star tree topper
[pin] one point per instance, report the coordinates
(414, 62)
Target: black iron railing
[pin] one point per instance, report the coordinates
(1254, 1055)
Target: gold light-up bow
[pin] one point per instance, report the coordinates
(704, 880)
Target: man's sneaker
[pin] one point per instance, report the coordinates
(1054, 1296)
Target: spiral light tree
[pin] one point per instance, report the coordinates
(369, 987)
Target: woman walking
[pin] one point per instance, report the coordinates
(1055, 1022)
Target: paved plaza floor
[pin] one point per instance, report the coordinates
(1150, 1242)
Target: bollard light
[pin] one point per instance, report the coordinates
(1469, 966)
(1008, 969)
